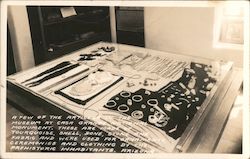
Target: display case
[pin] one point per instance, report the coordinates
(130, 25)
(155, 101)
(58, 30)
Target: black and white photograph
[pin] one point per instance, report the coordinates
(124, 79)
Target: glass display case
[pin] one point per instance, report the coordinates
(58, 30)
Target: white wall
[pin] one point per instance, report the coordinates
(20, 37)
(186, 31)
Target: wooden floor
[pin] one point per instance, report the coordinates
(231, 141)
